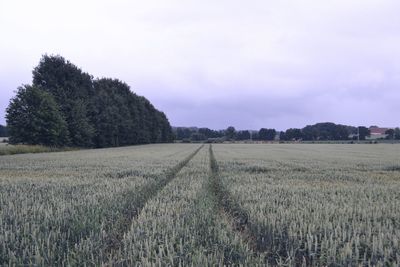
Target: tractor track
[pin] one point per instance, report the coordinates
(259, 238)
(136, 202)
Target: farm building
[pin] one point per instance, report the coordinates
(377, 132)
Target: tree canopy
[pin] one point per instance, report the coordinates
(3, 131)
(292, 134)
(243, 135)
(397, 133)
(266, 134)
(33, 117)
(390, 134)
(230, 133)
(363, 132)
(96, 112)
(325, 131)
(188, 134)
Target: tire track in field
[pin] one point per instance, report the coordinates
(137, 200)
(260, 238)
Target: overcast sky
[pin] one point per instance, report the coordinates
(249, 64)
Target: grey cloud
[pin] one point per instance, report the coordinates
(217, 63)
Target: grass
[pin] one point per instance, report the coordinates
(187, 205)
(7, 149)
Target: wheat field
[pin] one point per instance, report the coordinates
(203, 205)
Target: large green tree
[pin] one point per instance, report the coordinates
(102, 112)
(33, 117)
(123, 118)
(72, 89)
(116, 124)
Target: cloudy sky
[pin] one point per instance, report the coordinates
(249, 64)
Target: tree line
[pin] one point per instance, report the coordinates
(201, 134)
(393, 133)
(318, 132)
(323, 131)
(330, 131)
(65, 106)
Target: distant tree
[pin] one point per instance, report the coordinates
(230, 133)
(243, 135)
(183, 133)
(254, 135)
(262, 134)
(178, 133)
(326, 131)
(33, 117)
(390, 134)
(293, 134)
(310, 133)
(282, 136)
(271, 134)
(363, 132)
(397, 133)
(266, 134)
(351, 129)
(3, 131)
(341, 133)
(198, 137)
(208, 133)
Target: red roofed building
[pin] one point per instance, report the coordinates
(377, 132)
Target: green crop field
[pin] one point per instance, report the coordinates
(199, 205)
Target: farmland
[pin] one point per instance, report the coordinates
(192, 204)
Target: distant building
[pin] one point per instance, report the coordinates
(377, 132)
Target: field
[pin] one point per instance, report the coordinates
(8, 149)
(193, 204)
